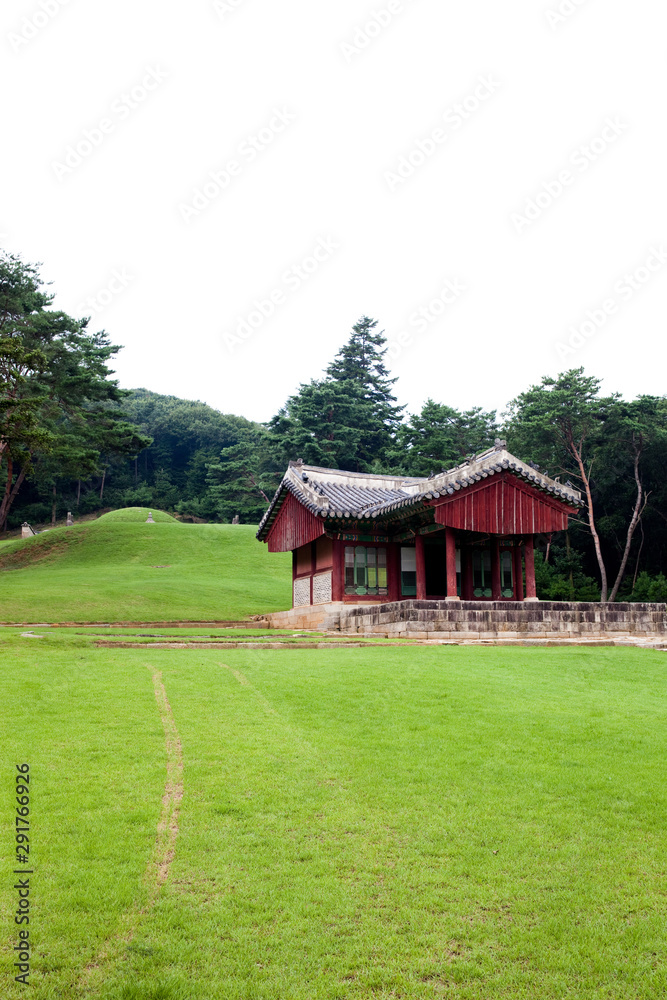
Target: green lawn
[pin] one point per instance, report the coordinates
(118, 568)
(416, 822)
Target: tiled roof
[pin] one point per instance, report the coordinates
(334, 494)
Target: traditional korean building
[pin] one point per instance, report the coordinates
(467, 533)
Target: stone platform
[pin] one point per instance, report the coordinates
(461, 620)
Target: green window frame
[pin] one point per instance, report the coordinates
(366, 571)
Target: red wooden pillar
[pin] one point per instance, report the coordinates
(394, 571)
(496, 592)
(466, 568)
(529, 557)
(518, 571)
(338, 571)
(450, 548)
(293, 573)
(421, 567)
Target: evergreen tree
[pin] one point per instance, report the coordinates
(242, 482)
(56, 396)
(359, 371)
(318, 425)
(347, 420)
(561, 422)
(440, 437)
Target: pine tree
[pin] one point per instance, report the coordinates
(317, 425)
(347, 420)
(360, 372)
(440, 437)
(56, 394)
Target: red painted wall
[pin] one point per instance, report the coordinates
(502, 505)
(294, 526)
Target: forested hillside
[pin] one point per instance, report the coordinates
(71, 439)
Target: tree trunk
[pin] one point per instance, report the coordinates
(634, 521)
(104, 475)
(53, 507)
(78, 492)
(568, 550)
(10, 491)
(641, 546)
(576, 453)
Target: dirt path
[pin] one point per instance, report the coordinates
(167, 828)
(162, 855)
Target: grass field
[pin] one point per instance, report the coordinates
(118, 568)
(390, 822)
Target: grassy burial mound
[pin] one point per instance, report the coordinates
(119, 568)
(135, 515)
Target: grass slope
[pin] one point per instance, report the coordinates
(114, 569)
(416, 823)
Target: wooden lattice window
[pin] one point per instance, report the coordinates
(366, 570)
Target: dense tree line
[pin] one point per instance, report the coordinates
(70, 439)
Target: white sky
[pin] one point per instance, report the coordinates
(339, 108)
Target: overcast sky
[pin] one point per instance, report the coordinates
(228, 186)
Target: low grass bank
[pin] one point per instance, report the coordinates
(120, 569)
(418, 823)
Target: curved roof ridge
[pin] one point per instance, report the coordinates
(342, 495)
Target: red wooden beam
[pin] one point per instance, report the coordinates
(529, 557)
(421, 568)
(394, 572)
(450, 547)
(338, 571)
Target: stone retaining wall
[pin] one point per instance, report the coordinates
(314, 616)
(480, 619)
(505, 620)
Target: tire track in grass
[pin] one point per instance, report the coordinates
(167, 828)
(164, 849)
(308, 748)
